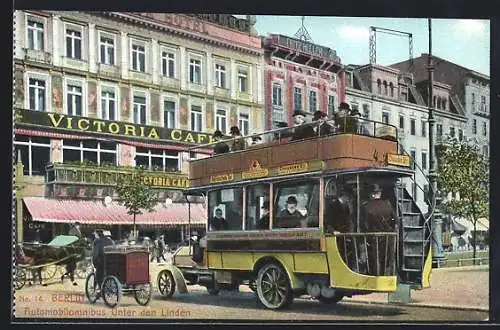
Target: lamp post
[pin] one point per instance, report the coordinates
(436, 220)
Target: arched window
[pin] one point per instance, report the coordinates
(391, 86)
(385, 87)
(438, 103)
(444, 104)
(434, 101)
(379, 86)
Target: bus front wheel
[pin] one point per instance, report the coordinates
(273, 287)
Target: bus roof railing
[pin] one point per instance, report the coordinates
(365, 127)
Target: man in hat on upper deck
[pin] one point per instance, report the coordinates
(342, 116)
(220, 147)
(256, 140)
(322, 126)
(239, 143)
(301, 130)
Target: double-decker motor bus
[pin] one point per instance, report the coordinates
(329, 216)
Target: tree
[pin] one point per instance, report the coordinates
(464, 170)
(134, 194)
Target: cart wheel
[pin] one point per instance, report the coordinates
(166, 283)
(48, 272)
(142, 294)
(91, 288)
(111, 291)
(19, 277)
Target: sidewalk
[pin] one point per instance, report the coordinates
(451, 287)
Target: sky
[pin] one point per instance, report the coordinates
(465, 42)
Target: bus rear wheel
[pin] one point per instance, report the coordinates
(273, 287)
(331, 300)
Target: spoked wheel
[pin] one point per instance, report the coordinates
(273, 287)
(91, 288)
(19, 277)
(166, 283)
(48, 272)
(142, 294)
(111, 291)
(253, 286)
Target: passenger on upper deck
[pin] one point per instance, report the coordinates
(240, 143)
(341, 117)
(283, 133)
(218, 222)
(256, 140)
(323, 126)
(301, 130)
(220, 147)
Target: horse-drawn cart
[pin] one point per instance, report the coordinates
(126, 269)
(43, 260)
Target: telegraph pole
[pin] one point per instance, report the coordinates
(436, 220)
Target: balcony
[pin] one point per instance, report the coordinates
(140, 76)
(109, 70)
(93, 181)
(222, 92)
(37, 56)
(74, 63)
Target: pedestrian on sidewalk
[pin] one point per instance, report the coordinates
(161, 249)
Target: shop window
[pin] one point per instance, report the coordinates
(157, 159)
(257, 216)
(296, 204)
(225, 209)
(89, 151)
(35, 153)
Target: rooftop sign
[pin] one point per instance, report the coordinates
(305, 47)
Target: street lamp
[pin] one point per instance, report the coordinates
(436, 219)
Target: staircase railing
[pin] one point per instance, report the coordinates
(430, 203)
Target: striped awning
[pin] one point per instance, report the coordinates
(95, 212)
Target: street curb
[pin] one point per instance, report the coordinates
(453, 307)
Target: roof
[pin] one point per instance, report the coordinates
(95, 212)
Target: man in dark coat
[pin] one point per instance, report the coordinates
(290, 217)
(323, 127)
(98, 255)
(301, 130)
(240, 143)
(342, 116)
(218, 222)
(263, 222)
(378, 215)
(220, 147)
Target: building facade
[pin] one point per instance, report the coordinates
(299, 76)
(129, 89)
(387, 95)
(469, 91)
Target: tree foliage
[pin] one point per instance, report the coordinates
(464, 170)
(134, 194)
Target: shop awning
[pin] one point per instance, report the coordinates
(95, 212)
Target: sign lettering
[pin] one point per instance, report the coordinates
(294, 168)
(255, 171)
(398, 160)
(57, 122)
(306, 47)
(166, 181)
(221, 178)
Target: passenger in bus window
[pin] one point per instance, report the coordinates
(378, 213)
(263, 222)
(290, 217)
(218, 222)
(240, 143)
(220, 147)
(301, 130)
(323, 127)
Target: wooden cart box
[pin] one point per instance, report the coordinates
(129, 266)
